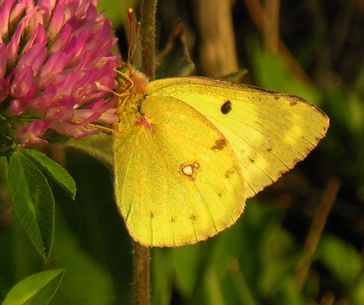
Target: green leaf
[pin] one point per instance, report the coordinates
(37, 289)
(185, 261)
(357, 294)
(177, 62)
(97, 146)
(266, 64)
(288, 294)
(333, 252)
(54, 170)
(33, 201)
(87, 282)
(162, 277)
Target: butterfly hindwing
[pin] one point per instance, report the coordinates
(177, 179)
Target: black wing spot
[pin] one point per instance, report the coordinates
(226, 107)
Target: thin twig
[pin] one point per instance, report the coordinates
(315, 232)
(327, 299)
(176, 34)
(272, 27)
(260, 18)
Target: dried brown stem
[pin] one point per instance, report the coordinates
(271, 31)
(314, 235)
(327, 299)
(176, 34)
(261, 20)
(217, 43)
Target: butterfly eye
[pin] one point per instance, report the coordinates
(226, 107)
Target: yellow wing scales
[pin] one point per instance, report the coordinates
(213, 208)
(177, 180)
(192, 150)
(269, 132)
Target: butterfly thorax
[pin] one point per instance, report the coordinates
(131, 89)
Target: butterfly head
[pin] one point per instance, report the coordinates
(130, 80)
(131, 88)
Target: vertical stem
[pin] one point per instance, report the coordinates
(217, 48)
(272, 27)
(141, 254)
(149, 9)
(141, 270)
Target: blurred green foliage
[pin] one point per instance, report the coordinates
(255, 261)
(115, 10)
(38, 289)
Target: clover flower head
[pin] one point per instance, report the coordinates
(56, 70)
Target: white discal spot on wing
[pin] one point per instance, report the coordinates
(189, 169)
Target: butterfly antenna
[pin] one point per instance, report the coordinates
(134, 30)
(136, 37)
(130, 34)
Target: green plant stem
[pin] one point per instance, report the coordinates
(141, 254)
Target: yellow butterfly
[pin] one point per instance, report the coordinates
(190, 151)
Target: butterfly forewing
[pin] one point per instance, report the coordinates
(269, 132)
